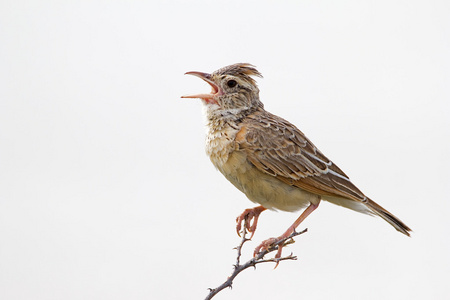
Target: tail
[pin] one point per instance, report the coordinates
(388, 217)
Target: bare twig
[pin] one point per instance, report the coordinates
(258, 259)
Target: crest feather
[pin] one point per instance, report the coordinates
(243, 70)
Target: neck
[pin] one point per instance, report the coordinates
(221, 117)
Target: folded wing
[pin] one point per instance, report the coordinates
(280, 149)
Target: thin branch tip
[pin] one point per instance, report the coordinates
(253, 261)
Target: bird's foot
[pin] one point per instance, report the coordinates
(270, 243)
(247, 216)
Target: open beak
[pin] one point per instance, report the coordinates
(214, 88)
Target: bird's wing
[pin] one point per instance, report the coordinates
(278, 148)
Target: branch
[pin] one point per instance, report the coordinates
(258, 259)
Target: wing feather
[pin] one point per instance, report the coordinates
(278, 148)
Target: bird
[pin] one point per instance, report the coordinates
(269, 159)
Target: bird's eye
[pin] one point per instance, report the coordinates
(231, 83)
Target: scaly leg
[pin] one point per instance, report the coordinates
(265, 245)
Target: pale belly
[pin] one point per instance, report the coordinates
(262, 188)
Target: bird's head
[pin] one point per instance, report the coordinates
(232, 88)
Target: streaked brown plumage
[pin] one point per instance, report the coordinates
(269, 159)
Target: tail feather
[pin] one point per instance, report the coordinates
(388, 217)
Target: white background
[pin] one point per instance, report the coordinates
(105, 190)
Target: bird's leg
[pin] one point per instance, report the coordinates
(247, 216)
(265, 245)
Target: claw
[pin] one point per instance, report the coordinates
(238, 226)
(278, 255)
(269, 243)
(265, 245)
(249, 215)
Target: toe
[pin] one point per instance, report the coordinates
(265, 245)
